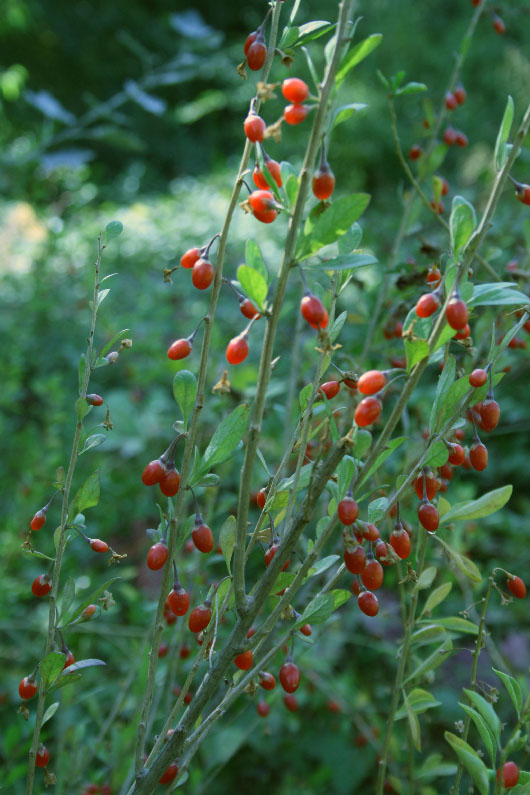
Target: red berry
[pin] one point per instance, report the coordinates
(189, 259)
(330, 389)
(368, 603)
(312, 309)
(464, 333)
(400, 543)
(498, 25)
(428, 516)
(427, 305)
(380, 550)
(291, 702)
(306, 630)
(445, 188)
(270, 553)
(355, 559)
(263, 206)
(94, 400)
(261, 499)
(251, 38)
(202, 274)
(449, 136)
(41, 585)
(98, 545)
(69, 660)
(199, 618)
(28, 687)
(457, 456)
(415, 152)
(262, 708)
(267, 681)
(431, 485)
(295, 90)
(254, 127)
(371, 382)
(348, 510)
(350, 383)
(248, 309)
(324, 322)
(323, 183)
(295, 114)
(478, 455)
(179, 601)
(490, 411)
(515, 585)
(179, 349)
(456, 313)
(89, 611)
(157, 556)
(202, 537)
(170, 774)
(244, 661)
(434, 275)
(460, 94)
(257, 53)
(43, 757)
(450, 101)
(185, 652)
(274, 169)
(237, 349)
(38, 520)
(169, 485)
(163, 650)
(478, 378)
(461, 139)
(368, 411)
(372, 576)
(523, 194)
(289, 677)
(510, 774)
(153, 473)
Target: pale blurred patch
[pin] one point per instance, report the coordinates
(21, 237)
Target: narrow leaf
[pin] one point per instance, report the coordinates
(414, 724)
(465, 565)
(86, 497)
(489, 503)
(462, 222)
(471, 761)
(392, 445)
(503, 135)
(50, 712)
(184, 392)
(227, 539)
(356, 55)
(482, 728)
(514, 689)
(50, 667)
(436, 597)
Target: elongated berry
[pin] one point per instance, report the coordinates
(295, 90)
(254, 127)
(202, 274)
(323, 183)
(431, 485)
(368, 411)
(456, 313)
(291, 702)
(427, 305)
(98, 545)
(262, 708)
(270, 553)
(312, 309)
(190, 257)
(247, 308)
(237, 349)
(400, 543)
(263, 206)
(289, 677)
(38, 520)
(428, 516)
(257, 53)
(371, 382)
(202, 537)
(43, 757)
(490, 412)
(517, 587)
(330, 389)
(478, 455)
(449, 136)
(457, 455)
(169, 774)
(244, 661)
(348, 510)
(157, 556)
(306, 630)
(274, 169)
(251, 38)
(179, 600)
(295, 114)
(261, 499)
(510, 773)
(170, 483)
(478, 378)
(368, 603)
(267, 681)
(372, 575)
(153, 473)
(41, 585)
(199, 618)
(179, 349)
(27, 688)
(355, 559)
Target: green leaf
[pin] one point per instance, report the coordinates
(96, 440)
(465, 565)
(432, 661)
(340, 597)
(362, 442)
(313, 30)
(253, 255)
(91, 599)
(486, 710)
(344, 112)
(226, 438)
(434, 767)
(345, 472)
(334, 222)
(184, 392)
(109, 345)
(447, 377)
(80, 664)
(253, 284)
(86, 497)
(351, 240)
(63, 680)
(457, 624)
(501, 152)
(414, 724)
(437, 455)
(462, 222)
(514, 690)
(81, 370)
(317, 611)
(289, 36)
(436, 597)
(420, 701)
(112, 230)
(482, 728)
(322, 565)
(68, 596)
(356, 55)
(303, 397)
(377, 509)
(82, 408)
(50, 667)
(50, 712)
(471, 761)
(392, 445)
(416, 351)
(344, 262)
(497, 294)
(428, 633)
(426, 578)
(227, 539)
(411, 88)
(489, 503)
(292, 187)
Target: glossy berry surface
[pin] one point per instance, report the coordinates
(270, 553)
(202, 537)
(289, 677)
(202, 274)
(371, 382)
(190, 257)
(244, 661)
(170, 483)
(478, 455)
(257, 54)
(457, 456)
(428, 516)
(170, 774)
(368, 411)
(355, 559)
(274, 170)
(431, 485)
(98, 545)
(306, 630)
(157, 556)
(295, 114)
(261, 499)
(43, 757)
(330, 389)
(456, 313)
(517, 587)
(199, 618)
(368, 603)
(27, 688)
(179, 349)
(247, 309)
(323, 183)
(490, 413)
(510, 774)
(263, 206)
(41, 585)
(153, 473)
(267, 681)
(478, 378)
(237, 350)
(312, 309)
(449, 136)
(38, 520)
(427, 305)
(400, 543)
(348, 510)
(372, 575)
(94, 400)
(254, 127)
(179, 601)
(295, 90)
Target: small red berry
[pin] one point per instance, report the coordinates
(461, 139)
(179, 349)
(184, 652)
(510, 774)
(199, 618)
(261, 499)
(456, 313)
(291, 702)
(368, 603)
(69, 660)
(163, 650)
(372, 576)
(191, 256)
(457, 455)
(312, 309)
(523, 194)
(323, 183)
(460, 94)
(254, 127)
(38, 520)
(41, 585)
(490, 412)
(398, 329)
(248, 309)
(244, 661)
(98, 545)
(257, 53)
(169, 485)
(267, 681)
(43, 757)
(170, 774)
(478, 378)
(371, 382)
(498, 25)
(157, 556)
(274, 169)
(400, 543)
(289, 677)
(94, 400)
(415, 152)
(427, 305)
(449, 136)
(202, 274)
(516, 586)
(179, 600)
(428, 516)
(478, 455)
(431, 485)
(295, 114)
(295, 90)
(88, 612)
(153, 473)
(263, 206)
(262, 708)
(434, 275)
(202, 537)
(450, 101)
(28, 687)
(330, 389)
(355, 559)
(464, 333)
(270, 553)
(368, 411)
(348, 510)
(251, 38)
(237, 349)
